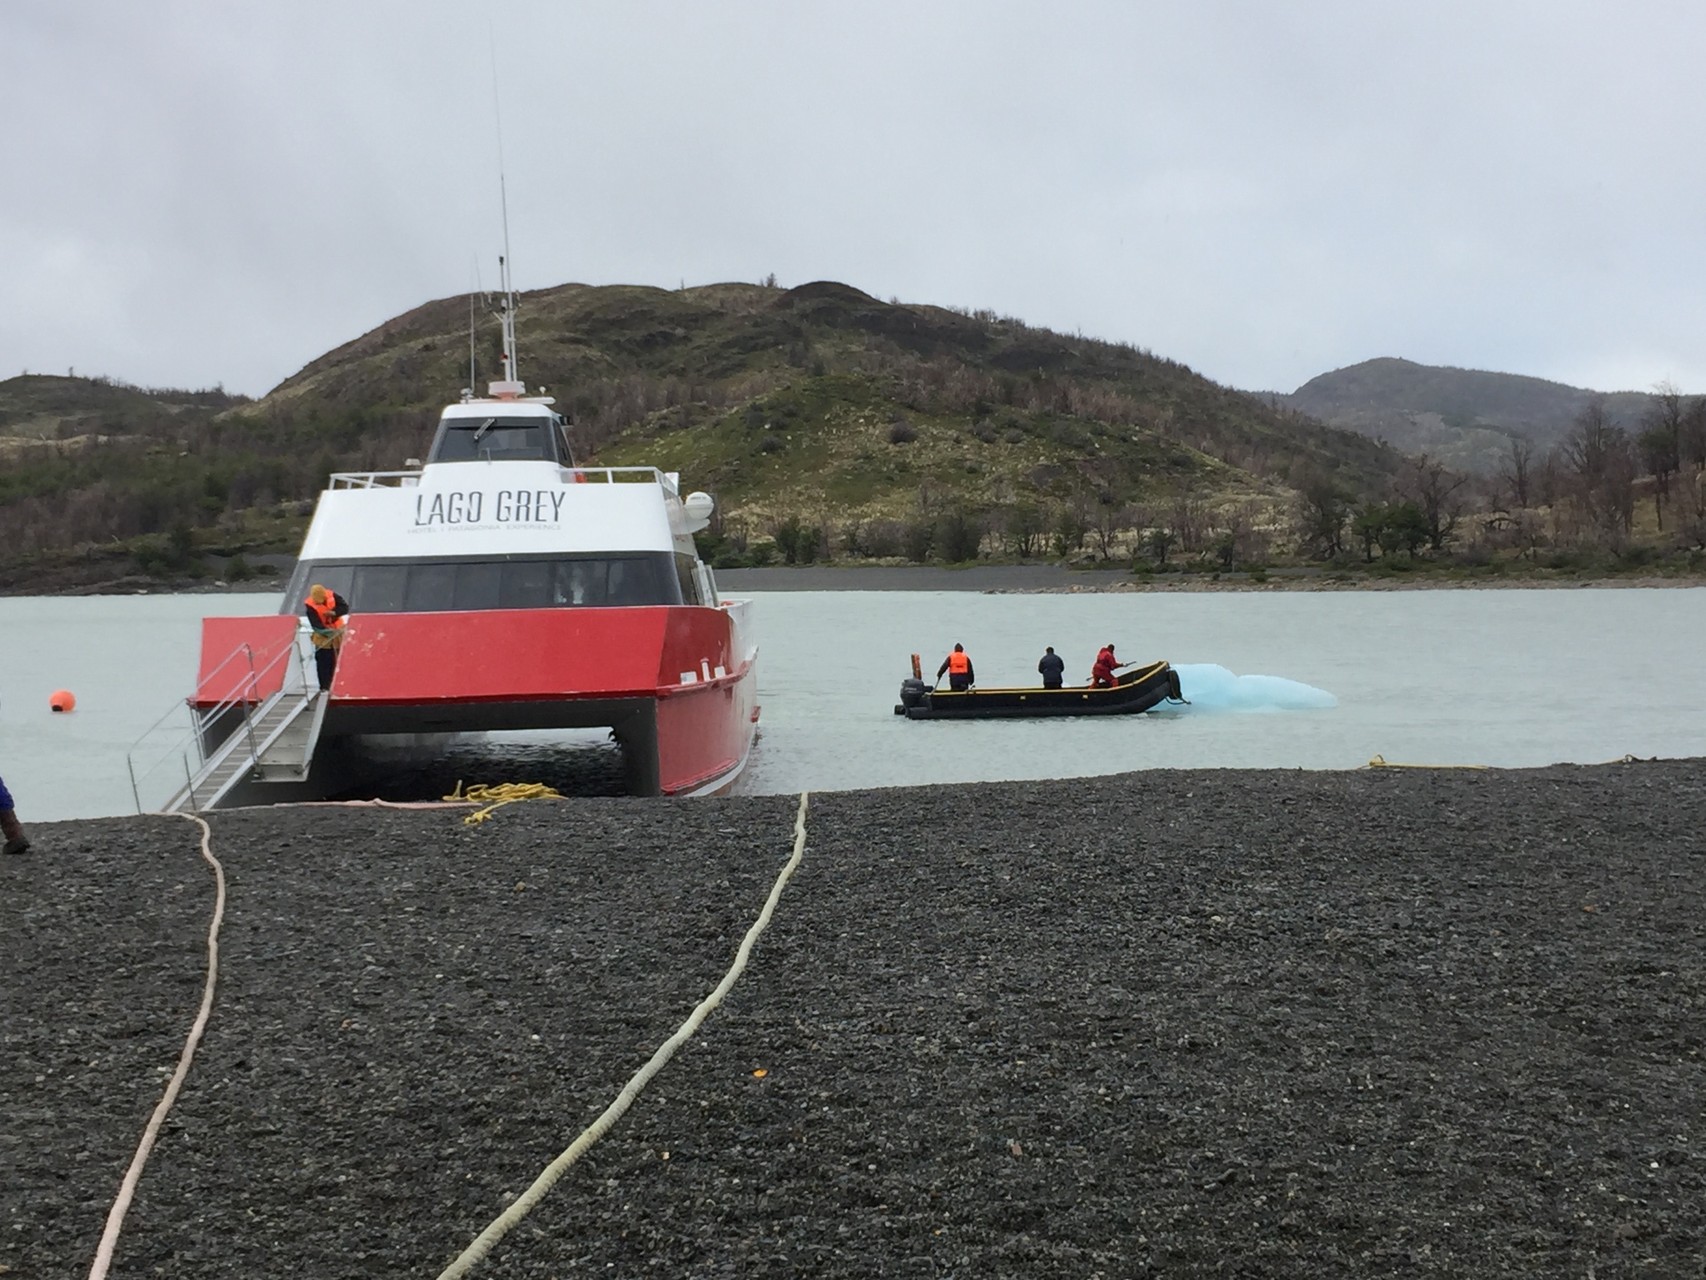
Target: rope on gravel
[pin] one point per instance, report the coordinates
(133, 1175)
(487, 1239)
(1381, 762)
(495, 795)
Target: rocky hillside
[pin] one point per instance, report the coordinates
(1464, 417)
(818, 403)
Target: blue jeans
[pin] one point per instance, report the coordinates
(5, 796)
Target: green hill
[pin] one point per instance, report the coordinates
(817, 405)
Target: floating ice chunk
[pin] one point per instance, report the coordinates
(1213, 688)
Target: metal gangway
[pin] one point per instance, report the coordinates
(242, 738)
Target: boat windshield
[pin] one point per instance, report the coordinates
(498, 439)
(530, 582)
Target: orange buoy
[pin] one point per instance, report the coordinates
(62, 700)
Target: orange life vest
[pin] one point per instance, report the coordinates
(958, 663)
(328, 634)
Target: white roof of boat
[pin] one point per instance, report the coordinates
(499, 408)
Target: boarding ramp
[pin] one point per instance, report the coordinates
(261, 728)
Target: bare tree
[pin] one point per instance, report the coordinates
(1693, 434)
(1660, 443)
(1189, 517)
(1111, 519)
(1023, 529)
(1436, 493)
(1322, 509)
(1600, 465)
(1516, 473)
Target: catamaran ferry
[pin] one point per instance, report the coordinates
(502, 585)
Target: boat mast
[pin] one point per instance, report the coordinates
(511, 384)
(509, 387)
(473, 380)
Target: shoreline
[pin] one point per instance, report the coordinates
(1017, 579)
(1057, 579)
(1294, 1023)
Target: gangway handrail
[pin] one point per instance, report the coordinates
(245, 694)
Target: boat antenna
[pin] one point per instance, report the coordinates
(472, 368)
(510, 384)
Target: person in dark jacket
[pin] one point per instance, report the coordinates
(1053, 669)
(10, 827)
(958, 666)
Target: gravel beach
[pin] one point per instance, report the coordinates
(1215, 1023)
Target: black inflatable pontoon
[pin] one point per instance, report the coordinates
(1132, 692)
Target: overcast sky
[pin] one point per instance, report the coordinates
(221, 191)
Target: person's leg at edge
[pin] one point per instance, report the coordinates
(10, 827)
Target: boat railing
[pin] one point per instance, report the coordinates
(173, 752)
(374, 480)
(571, 475)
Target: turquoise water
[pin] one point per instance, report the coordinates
(1496, 677)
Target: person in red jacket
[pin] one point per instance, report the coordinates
(1102, 674)
(958, 666)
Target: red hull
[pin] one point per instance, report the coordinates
(677, 683)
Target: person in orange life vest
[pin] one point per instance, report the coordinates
(326, 612)
(10, 827)
(958, 666)
(1102, 674)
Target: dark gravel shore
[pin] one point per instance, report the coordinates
(1214, 1023)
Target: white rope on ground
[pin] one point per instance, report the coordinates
(133, 1175)
(487, 1239)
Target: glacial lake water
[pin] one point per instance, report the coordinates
(1281, 680)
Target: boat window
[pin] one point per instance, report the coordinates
(428, 587)
(494, 439)
(543, 582)
(523, 583)
(380, 588)
(686, 571)
(479, 586)
(581, 582)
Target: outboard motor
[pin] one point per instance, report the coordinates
(912, 691)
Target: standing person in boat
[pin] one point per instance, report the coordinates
(1053, 669)
(958, 666)
(10, 827)
(327, 614)
(1102, 674)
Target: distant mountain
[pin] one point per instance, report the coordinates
(1466, 418)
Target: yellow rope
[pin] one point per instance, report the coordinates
(1381, 762)
(495, 795)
